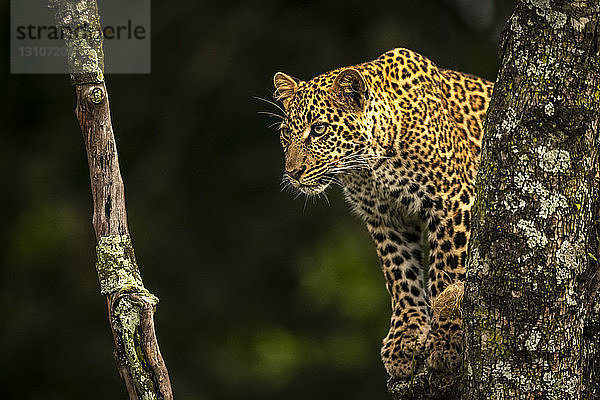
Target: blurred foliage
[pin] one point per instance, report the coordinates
(262, 297)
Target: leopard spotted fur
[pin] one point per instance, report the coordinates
(403, 138)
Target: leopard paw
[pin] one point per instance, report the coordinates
(444, 346)
(402, 348)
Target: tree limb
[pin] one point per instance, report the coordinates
(131, 306)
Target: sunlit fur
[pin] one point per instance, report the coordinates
(403, 140)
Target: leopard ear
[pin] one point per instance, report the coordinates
(350, 89)
(285, 87)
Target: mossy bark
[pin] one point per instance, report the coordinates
(131, 306)
(530, 306)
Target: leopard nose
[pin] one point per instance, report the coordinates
(296, 173)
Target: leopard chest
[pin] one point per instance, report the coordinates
(382, 195)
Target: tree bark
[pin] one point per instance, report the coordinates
(531, 305)
(131, 306)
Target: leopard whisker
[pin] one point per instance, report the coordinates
(349, 167)
(324, 195)
(271, 114)
(338, 182)
(285, 184)
(271, 103)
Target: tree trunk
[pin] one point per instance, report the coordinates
(531, 311)
(130, 305)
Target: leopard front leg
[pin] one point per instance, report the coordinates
(399, 249)
(448, 242)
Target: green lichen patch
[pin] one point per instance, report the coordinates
(475, 266)
(579, 23)
(128, 316)
(570, 259)
(116, 265)
(532, 341)
(555, 19)
(83, 59)
(80, 26)
(550, 203)
(535, 238)
(554, 161)
(509, 123)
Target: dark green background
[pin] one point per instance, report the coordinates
(262, 297)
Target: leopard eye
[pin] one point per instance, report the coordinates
(318, 129)
(285, 132)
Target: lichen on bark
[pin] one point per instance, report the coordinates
(531, 281)
(119, 275)
(116, 265)
(79, 23)
(131, 306)
(128, 322)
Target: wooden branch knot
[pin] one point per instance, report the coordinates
(96, 95)
(67, 18)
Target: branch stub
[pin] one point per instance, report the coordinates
(96, 95)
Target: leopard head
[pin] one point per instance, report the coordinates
(326, 129)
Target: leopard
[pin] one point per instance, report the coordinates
(402, 138)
